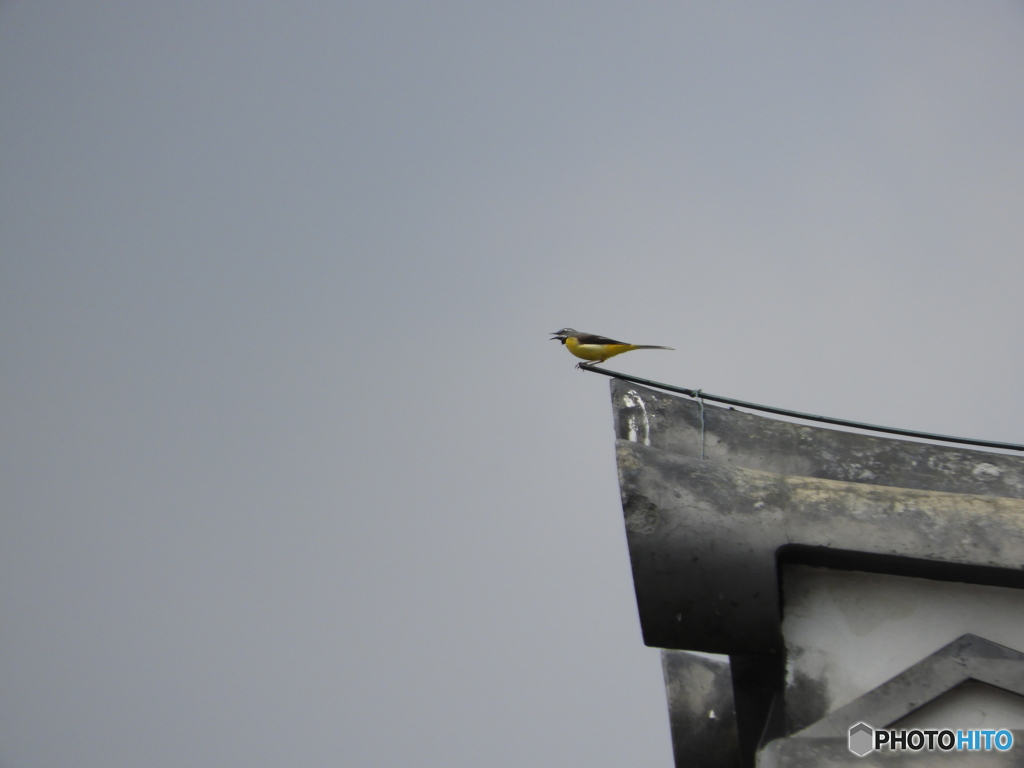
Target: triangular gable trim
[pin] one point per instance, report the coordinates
(969, 657)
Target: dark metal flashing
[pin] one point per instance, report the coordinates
(935, 570)
(699, 393)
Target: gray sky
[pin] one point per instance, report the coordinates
(291, 474)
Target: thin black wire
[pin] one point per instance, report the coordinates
(798, 415)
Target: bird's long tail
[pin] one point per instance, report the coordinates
(649, 346)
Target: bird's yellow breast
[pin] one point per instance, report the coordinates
(595, 351)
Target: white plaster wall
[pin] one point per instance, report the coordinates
(854, 631)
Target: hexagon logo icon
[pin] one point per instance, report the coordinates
(862, 738)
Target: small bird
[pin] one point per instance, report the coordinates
(596, 349)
